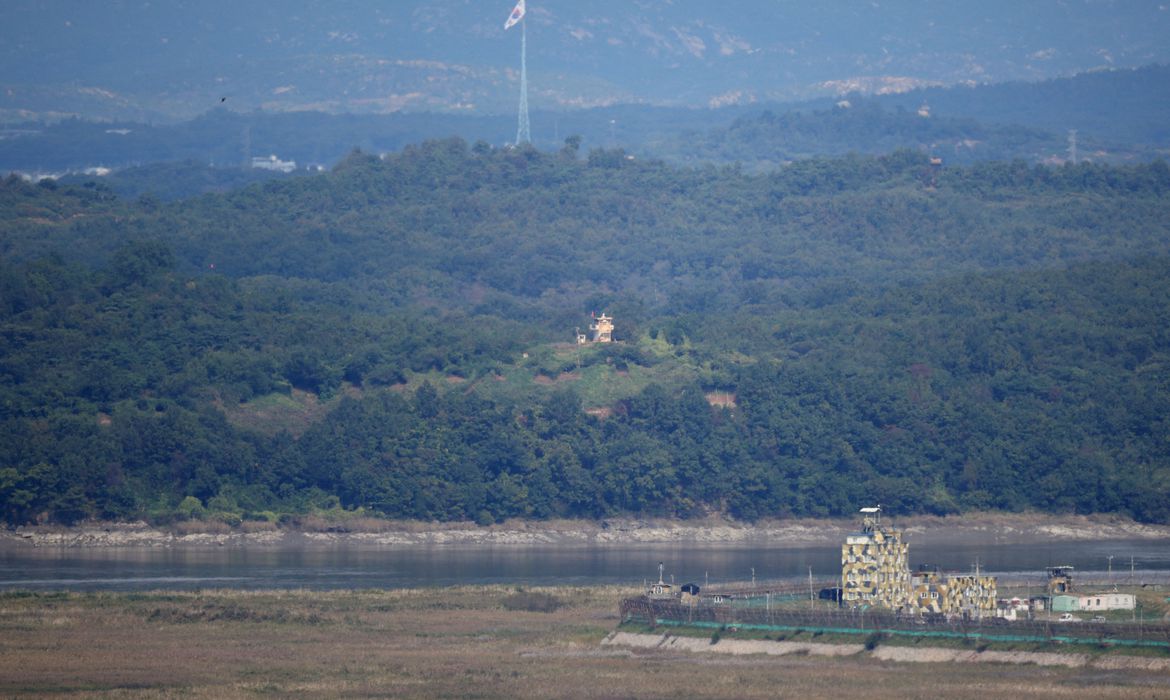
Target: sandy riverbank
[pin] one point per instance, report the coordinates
(985, 527)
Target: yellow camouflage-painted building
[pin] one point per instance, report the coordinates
(935, 592)
(602, 328)
(1060, 579)
(875, 568)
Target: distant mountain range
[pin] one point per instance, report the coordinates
(1120, 116)
(164, 61)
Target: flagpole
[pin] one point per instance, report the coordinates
(522, 131)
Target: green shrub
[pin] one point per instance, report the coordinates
(191, 508)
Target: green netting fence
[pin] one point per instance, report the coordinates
(855, 622)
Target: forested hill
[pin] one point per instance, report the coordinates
(391, 336)
(768, 140)
(1119, 117)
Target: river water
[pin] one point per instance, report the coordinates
(360, 567)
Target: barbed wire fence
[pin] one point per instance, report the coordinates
(856, 621)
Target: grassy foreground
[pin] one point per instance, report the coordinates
(462, 642)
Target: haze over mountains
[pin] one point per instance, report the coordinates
(159, 61)
(1120, 116)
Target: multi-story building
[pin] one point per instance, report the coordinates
(932, 591)
(874, 565)
(875, 570)
(602, 328)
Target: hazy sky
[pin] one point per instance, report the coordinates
(175, 56)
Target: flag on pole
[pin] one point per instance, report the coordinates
(516, 16)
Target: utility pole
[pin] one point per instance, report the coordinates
(811, 600)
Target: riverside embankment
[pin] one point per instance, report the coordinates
(745, 647)
(986, 527)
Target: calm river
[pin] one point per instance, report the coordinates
(317, 567)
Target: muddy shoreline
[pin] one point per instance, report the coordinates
(986, 527)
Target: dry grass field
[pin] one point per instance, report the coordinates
(442, 643)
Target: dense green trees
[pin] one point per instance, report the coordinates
(993, 337)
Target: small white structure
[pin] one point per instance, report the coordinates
(1094, 602)
(660, 590)
(274, 163)
(1017, 608)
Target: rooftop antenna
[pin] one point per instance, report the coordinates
(523, 134)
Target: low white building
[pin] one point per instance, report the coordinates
(1093, 602)
(274, 163)
(1016, 608)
